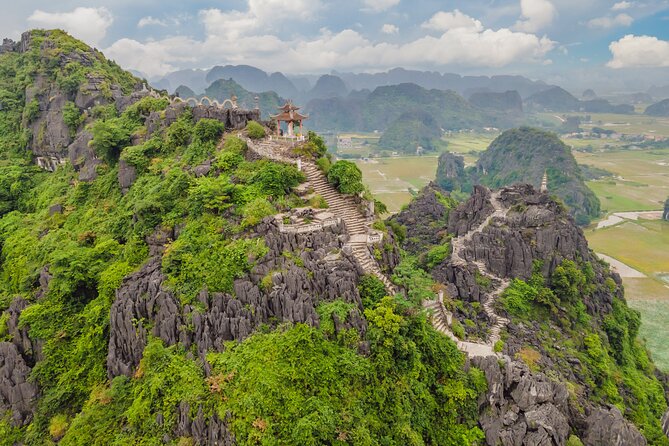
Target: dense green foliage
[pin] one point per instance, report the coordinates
(411, 131)
(346, 177)
(255, 130)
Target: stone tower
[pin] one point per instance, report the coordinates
(544, 183)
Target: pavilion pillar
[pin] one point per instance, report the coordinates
(278, 128)
(301, 131)
(290, 128)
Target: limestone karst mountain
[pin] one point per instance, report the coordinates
(171, 273)
(524, 155)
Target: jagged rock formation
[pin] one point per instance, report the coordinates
(665, 214)
(425, 212)
(520, 407)
(18, 394)
(450, 171)
(607, 426)
(328, 273)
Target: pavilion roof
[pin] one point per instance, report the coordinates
(290, 116)
(288, 106)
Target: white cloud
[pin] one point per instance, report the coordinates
(87, 24)
(443, 21)
(379, 5)
(151, 21)
(610, 22)
(535, 15)
(639, 51)
(389, 29)
(347, 49)
(620, 6)
(260, 14)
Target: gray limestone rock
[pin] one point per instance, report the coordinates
(607, 427)
(17, 393)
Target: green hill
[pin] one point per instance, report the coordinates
(410, 131)
(523, 156)
(658, 109)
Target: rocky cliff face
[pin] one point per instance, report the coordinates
(665, 214)
(145, 305)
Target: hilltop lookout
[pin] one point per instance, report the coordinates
(290, 115)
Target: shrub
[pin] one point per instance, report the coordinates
(318, 202)
(499, 346)
(255, 130)
(31, 111)
(73, 117)
(372, 290)
(254, 211)
(208, 130)
(324, 164)
(530, 357)
(574, 441)
(457, 329)
(58, 426)
(436, 255)
(179, 133)
(277, 179)
(346, 177)
(210, 194)
(109, 138)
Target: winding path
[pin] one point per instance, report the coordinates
(441, 318)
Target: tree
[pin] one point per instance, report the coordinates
(346, 177)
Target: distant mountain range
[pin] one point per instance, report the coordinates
(556, 99)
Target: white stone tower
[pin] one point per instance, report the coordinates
(544, 183)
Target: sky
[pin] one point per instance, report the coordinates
(582, 43)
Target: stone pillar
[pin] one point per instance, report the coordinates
(370, 208)
(441, 296)
(278, 128)
(299, 164)
(301, 131)
(290, 128)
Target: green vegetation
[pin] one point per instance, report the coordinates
(523, 156)
(255, 130)
(410, 131)
(346, 177)
(614, 364)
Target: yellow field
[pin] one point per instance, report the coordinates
(390, 179)
(642, 181)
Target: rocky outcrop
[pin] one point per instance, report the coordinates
(608, 427)
(18, 394)
(536, 228)
(509, 101)
(421, 216)
(276, 290)
(450, 171)
(521, 407)
(665, 214)
(203, 430)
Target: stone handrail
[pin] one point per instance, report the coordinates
(309, 227)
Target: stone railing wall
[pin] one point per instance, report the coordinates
(308, 227)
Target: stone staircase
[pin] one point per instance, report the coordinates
(441, 318)
(356, 224)
(340, 205)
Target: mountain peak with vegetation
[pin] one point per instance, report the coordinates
(524, 155)
(658, 109)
